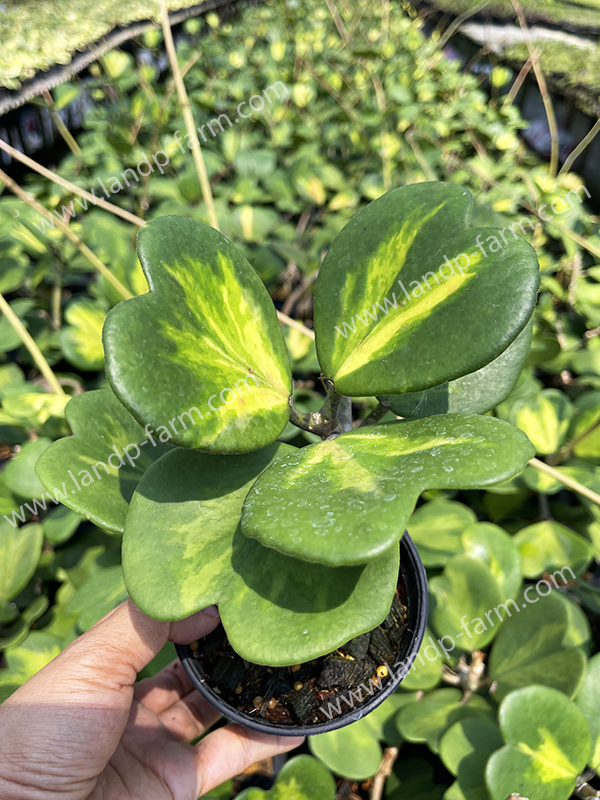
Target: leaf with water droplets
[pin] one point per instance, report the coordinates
(347, 500)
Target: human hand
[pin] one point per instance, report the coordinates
(82, 728)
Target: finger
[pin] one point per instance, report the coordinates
(171, 683)
(194, 627)
(190, 717)
(230, 750)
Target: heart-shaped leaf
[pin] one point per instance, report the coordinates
(382, 720)
(547, 746)
(585, 427)
(81, 340)
(426, 720)
(20, 550)
(20, 473)
(436, 529)
(588, 700)
(347, 500)
(213, 351)
(475, 393)
(184, 550)
(545, 419)
(533, 647)
(95, 471)
(464, 592)
(464, 751)
(351, 751)
(300, 778)
(395, 296)
(549, 545)
(493, 546)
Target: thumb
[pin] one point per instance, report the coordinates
(83, 697)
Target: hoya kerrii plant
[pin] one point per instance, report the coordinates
(298, 546)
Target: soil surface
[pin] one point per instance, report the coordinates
(295, 695)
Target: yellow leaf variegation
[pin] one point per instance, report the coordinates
(409, 296)
(201, 357)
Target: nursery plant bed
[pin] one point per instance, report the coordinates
(290, 700)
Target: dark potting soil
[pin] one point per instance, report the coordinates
(295, 695)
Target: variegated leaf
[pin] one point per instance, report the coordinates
(202, 353)
(475, 393)
(96, 470)
(183, 549)
(547, 746)
(347, 500)
(410, 297)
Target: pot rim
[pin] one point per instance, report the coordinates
(415, 579)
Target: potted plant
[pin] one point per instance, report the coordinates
(299, 546)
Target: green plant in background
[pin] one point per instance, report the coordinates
(371, 105)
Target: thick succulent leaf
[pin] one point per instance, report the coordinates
(183, 550)
(301, 778)
(548, 545)
(588, 700)
(426, 671)
(474, 393)
(213, 351)
(436, 529)
(535, 646)
(382, 720)
(352, 751)
(585, 427)
(465, 591)
(20, 472)
(547, 746)
(545, 419)
(490, 544)
(20, 550)
(81, 339)
(425, 721)
(347, 500)
(464, 751)
(95, 471)
(406, 299)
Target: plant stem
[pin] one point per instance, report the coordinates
(293, 323)
(379, 412)
(543, 87)
(60, 125)
(390, 754)
(520, 79)
(70, 234)
(587, 139)
(30, 344)
(188, 118)
(571, 483)
(325, 421)
(52, 176)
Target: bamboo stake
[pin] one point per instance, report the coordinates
(543, 87)
(188, 117)
(70, 234)
(71, 187)
(30, 344)
(571, 483)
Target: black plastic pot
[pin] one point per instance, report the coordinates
(415, 580)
